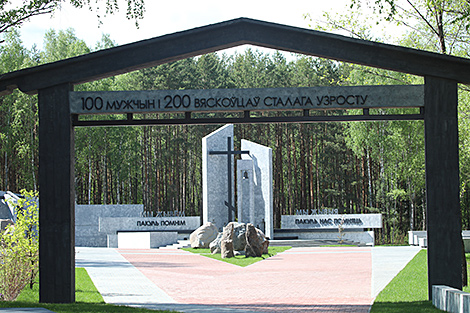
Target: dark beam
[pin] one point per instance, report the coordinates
(247, 120)
(56, 197)
(357, 51)
(442, 184)
(202, 40)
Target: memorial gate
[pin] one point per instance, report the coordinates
(60, 109)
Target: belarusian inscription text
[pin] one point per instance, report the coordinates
(173, 101)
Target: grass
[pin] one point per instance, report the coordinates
(88, 299)
(240, 260)
(408, 291)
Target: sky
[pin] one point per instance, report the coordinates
(166, 17)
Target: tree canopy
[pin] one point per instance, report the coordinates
(14, 13)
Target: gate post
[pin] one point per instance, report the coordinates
(56, 196)
(442, 184)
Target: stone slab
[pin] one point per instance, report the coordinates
(131, 240)
(7, 206)
(87, 221)
(214, 177)
(331, 221)
(111, 225)
(145, 240)
(5, 211)
(245, 189)
(112, 241)
(262, 157)
(454, 301)
(364, 237)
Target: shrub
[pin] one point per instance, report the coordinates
(19, 248)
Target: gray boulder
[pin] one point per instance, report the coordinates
(226, 244)
(203, 236)
(239, 238)
(254, 246)
(263, 241)
(215, 244)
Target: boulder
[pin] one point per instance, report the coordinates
(203, 236)
(239, 238)
(226, 244)
(254, 246)
(263, 241)
(215, 244)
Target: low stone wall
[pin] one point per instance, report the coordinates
(87, 223)
(364, 237)
(142, 240)
(450, 299)
(112, 225)
(419, 238)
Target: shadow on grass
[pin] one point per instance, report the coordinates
(405, 307)
(76, 307)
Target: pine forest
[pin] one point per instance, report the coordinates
(355, 167)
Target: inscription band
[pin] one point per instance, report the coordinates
(260, 99)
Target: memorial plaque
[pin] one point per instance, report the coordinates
(253, 99)
(110, 225)
(331, 221)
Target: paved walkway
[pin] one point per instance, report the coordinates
(297, 280)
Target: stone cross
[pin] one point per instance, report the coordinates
(229, 152)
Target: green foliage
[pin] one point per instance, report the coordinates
(19, 248)
(239, 260)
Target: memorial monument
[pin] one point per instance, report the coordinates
(254, 181)
(255, 187)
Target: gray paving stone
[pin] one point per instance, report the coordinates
(119, 282)
(387, 262)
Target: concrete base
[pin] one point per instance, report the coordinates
(143, 240)
(87, 221)
(450, 299)
(414, 235)
(419, 238)
(364, 237)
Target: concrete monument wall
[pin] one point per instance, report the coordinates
(263, 185)
(245, 192)
(214, 177)
(87, 218)
(7, 210)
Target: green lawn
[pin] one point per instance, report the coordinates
(88, 299)
(240, 260)
(408, 291)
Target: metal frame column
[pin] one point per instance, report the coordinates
(442, 183)
(56, 196)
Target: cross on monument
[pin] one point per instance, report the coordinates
(229, 152)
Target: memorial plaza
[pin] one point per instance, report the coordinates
(308, 279)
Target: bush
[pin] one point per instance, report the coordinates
(19, 248)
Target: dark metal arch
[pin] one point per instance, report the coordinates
(53, 83)
(211, 38)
